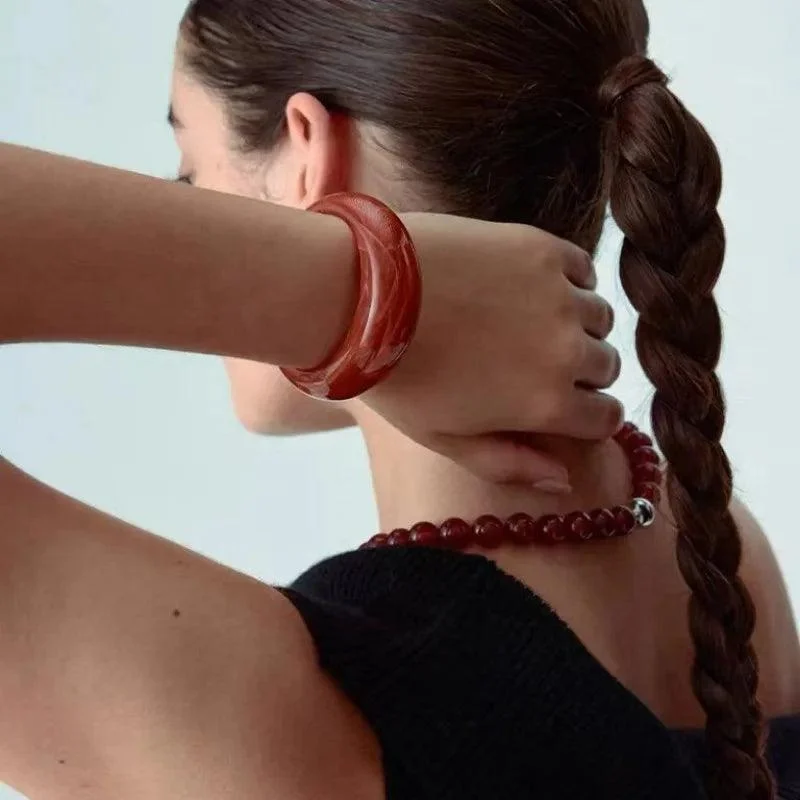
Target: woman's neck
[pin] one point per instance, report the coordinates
(609, 593)
(413, 484)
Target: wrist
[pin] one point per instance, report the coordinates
(387, 309)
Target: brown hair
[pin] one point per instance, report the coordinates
(544, 112)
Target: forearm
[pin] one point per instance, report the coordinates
(93, 254)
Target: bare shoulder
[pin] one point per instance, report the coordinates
(132, 667)
(777, 639)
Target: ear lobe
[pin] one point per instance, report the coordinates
(320, 143)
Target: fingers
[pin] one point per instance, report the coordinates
(579, 268)
(600, 366)
(596, 314)
(589, 414)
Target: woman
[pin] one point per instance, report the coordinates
(523, 112)
(442, 675)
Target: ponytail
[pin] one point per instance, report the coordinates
(663, 179)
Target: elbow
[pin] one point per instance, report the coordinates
(257, 419)
(266, 404)
(260, 398)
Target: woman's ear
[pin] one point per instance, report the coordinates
(318, 144)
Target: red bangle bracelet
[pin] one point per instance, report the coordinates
(388, 307)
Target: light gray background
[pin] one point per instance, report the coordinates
(149, 436)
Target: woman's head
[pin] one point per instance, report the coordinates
(486, 109)
(535, 111)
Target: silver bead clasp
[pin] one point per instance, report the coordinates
(644, 512)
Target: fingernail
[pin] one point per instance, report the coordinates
(553, 486)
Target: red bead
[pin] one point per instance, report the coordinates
(399, 537)
(624, 521)
(489, 531)
(603, 522)
(636, 440)
(625, 431)
(455, 533)
(646, 473)
(578, 525)
(552, 528)
(522, 529)
(650, 491)
(425, 534)
(644, 455)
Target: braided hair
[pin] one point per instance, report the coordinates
(664, 181)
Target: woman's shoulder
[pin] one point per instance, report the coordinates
(134, 667)
(776, 636)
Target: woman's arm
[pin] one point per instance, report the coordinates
(91, 254)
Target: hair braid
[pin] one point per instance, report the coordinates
(664, 181)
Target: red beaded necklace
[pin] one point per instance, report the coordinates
(579, 526)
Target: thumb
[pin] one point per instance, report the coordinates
(505, 458)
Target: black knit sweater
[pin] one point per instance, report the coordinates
(476, 689)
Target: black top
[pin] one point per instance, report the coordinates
(476, 689)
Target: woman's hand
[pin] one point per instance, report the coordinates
(511, 339)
